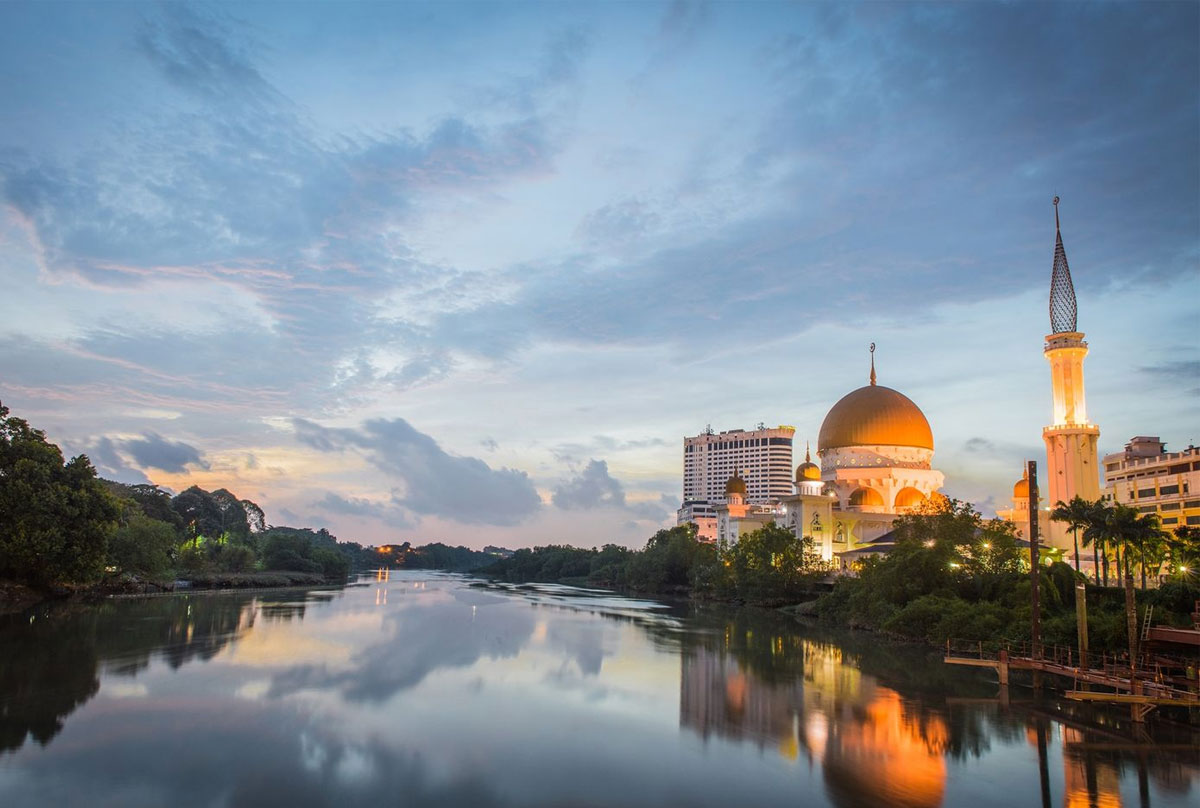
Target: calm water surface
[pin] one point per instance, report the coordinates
(424, 689)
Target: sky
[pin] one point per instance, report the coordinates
(469, 272)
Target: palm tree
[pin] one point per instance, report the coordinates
(1076, 514)
(1095, 534)
(1147, 536)
(1121, 525)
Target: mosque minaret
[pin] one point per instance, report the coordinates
(1072, 462)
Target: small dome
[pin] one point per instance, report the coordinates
(736, 485)
(1021, 489)
(808, 471)
(875, 416)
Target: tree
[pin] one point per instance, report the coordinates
(200, 513)
(55, 517)
(1183, 550)
(141, 545)
(1076, 514)
(1148, 537)
(1098, 533)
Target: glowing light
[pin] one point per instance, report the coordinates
(987, 545)
(929, 543)
(954, 565)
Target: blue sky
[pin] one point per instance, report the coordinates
(470, 272)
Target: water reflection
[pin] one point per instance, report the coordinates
(873, 751)
(425, 689)
(759, 680)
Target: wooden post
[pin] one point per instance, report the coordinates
(1034, 562)
(1002, 668)
(1082, 627)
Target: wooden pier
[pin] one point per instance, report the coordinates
(1156, 680)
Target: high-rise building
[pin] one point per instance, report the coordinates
(762, 457)
(1153, 480)
(1072, 464)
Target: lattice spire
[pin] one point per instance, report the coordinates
(1063, 309)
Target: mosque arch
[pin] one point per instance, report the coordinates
(866, 496)
(909, 498)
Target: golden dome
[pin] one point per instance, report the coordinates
(875, 416)
(736, 485)
(1021, 489)
(808, 470)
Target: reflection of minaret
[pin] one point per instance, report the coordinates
(1071, 459)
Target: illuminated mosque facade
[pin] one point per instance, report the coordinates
(875, 456)
(875, 449)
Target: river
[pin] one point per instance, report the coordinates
(430, 689)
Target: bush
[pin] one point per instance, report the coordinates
(333, 564)
(142, 546)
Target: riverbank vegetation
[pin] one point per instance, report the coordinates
(64, 529)
(951, 574)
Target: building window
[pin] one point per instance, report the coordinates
(1168, 489)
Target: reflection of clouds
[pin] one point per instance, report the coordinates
(253, 756)
(583, 642)
(418, 640)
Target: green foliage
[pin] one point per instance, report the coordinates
(150, 500)
(771, 566)
(288, 550)
(141, 545)
(333, 565)
(55, 516)
(438, 556)
(669, 560)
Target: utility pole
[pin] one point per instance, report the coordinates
(1034, 562)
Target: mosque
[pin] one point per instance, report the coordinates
(875, 449)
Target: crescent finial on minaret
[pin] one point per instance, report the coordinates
(872, 364)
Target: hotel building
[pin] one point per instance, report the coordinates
(762, 457)
(1153, 480)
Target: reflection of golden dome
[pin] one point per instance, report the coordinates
(736, 485)
(875, 416)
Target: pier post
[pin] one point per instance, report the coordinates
(1002, 668)
(1082, 627)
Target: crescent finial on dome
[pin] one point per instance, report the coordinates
(872, 364)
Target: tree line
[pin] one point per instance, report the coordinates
(61, 524)
(950, 574)
(768, 566)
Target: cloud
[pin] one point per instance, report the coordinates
(435, 483)
(1185, 371)
(154, 451)
(591, 488)
(594, 487)
(980, 446)
(109, 463)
